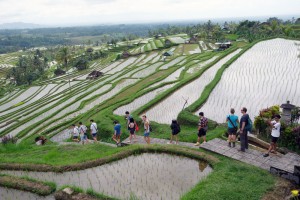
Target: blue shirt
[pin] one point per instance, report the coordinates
(233, 118)
(245, 119)
(118, 129)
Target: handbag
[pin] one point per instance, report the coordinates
(136, 126)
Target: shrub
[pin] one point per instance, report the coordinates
(261, 121)
(81, 64)
(59, 72)
(289, 134)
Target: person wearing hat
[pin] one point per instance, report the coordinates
(202, 128)
(275, 124)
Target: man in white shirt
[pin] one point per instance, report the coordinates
(94, 130)
(275, 124)
(75, 133)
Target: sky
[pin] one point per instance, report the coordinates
(80, 12)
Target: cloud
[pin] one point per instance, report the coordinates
(119, 11)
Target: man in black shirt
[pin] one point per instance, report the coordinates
(243, 130)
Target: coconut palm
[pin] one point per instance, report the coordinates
(64, 56)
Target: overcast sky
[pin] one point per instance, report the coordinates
(76, 12)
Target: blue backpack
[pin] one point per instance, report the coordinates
(249, 125)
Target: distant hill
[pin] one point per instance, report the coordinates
(19, 25)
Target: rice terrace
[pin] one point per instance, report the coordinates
(148, 107)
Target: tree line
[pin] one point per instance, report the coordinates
(251, 30)
(35, 65)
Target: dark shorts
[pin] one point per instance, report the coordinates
(174, 133)
(117, 134)
(274, 139)
(75, 137)
(201, 132)
(231, 131)
(94, 134)
(132, 132)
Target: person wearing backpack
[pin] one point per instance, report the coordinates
(94, 130)
(83, 133)
(244, 128)
(132, 127)
(175, 127)
(232, 123)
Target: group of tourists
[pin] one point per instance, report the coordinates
(236, 128)
(80, 132)
(245, 126)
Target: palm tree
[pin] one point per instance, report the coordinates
(64, 56)
(274, 25)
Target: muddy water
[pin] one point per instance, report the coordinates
(12, 194)
(147, 176)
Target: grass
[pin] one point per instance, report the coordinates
(158, 43)
(190, 47)
(80, 193)
(52, 154)
(232, 180)
(232, 37)
(188, 133)
(92, 193)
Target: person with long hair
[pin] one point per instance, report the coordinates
(175, 130)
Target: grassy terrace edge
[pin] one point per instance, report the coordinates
(135, 150)
(88, 194)
(27, 184)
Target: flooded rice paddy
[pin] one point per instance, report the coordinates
(147, 176)
(12, 194)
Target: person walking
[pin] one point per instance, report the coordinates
(75, 133)
(94, 130)
(202, 128)
(147, 129)
(128, 116)
(243, 130)
(232, 123)
(175, 127)
(132, 129)
(275, 124)
(83, 133)
(117, 132)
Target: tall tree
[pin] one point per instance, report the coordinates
(64, 56)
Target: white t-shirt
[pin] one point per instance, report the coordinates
(275, 129)
(76, 131)
(82, 129)
(94, 127)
